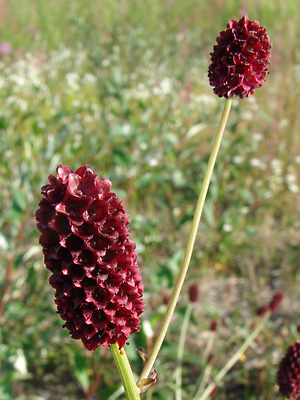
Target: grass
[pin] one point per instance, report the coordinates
(122, 85)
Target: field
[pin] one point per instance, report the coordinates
(122, 86)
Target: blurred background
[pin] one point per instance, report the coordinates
(122, 85)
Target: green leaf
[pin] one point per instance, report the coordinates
(80, 367)
(3, 242)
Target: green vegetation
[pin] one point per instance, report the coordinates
(122, 86)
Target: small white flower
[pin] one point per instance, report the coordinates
(247, 115)
(22, 104)
(293, 188)
(237, 159)
(283, 123)
(90, 78)
(206, 100)
(153, 162)
(105, 63)
(18, 80)
(126, 129)
(72, 81)
(276, 166)
(88, 119)
(76, 103)
(2, 83)
(156, 90)
(291, 178)
(176, 211)
(297, 159)
(258, 137)
(256, 162)
(41, 124)
(227, 228)
(143, 146)
(244, 210)
(166, 86)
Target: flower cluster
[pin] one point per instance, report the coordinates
(93, 262)
(288, 376)
(240, 60)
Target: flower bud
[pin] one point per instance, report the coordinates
(194, 293)
(213, 325)
(276, 300)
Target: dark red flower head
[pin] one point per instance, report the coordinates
(214, 392)
(240, 60)
(93, 262)
(276, 300)
(194, 293)
(213, 325)
(262, 310)
(288, 375)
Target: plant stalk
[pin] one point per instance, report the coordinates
(125, 372)
(190, 245)
(185, 324)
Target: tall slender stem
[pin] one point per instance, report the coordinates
(190, 245)
(125, 372)
(250, 339)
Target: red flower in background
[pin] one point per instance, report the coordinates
(240, 60)
(288, 375)
(276, 301)
(194, 293)
(93, 262)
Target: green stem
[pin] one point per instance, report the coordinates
(190, 245)
(208, 368)
(250, 339)
(241, 333)
(125, 372)
(180, 352)
(209, 346)
(206, 375)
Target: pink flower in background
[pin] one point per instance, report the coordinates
(93, 263)
(5, 48)
(240, 60)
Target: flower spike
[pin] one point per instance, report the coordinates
(93, 263)
(240, 60)
(288, 375)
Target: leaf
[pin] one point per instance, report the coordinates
(19, 198)
(20, 363)
(145, 384)
(18, 260)
(194, 130)
(121, 131)
(3, 242)
(142, 353)
(80, 368)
